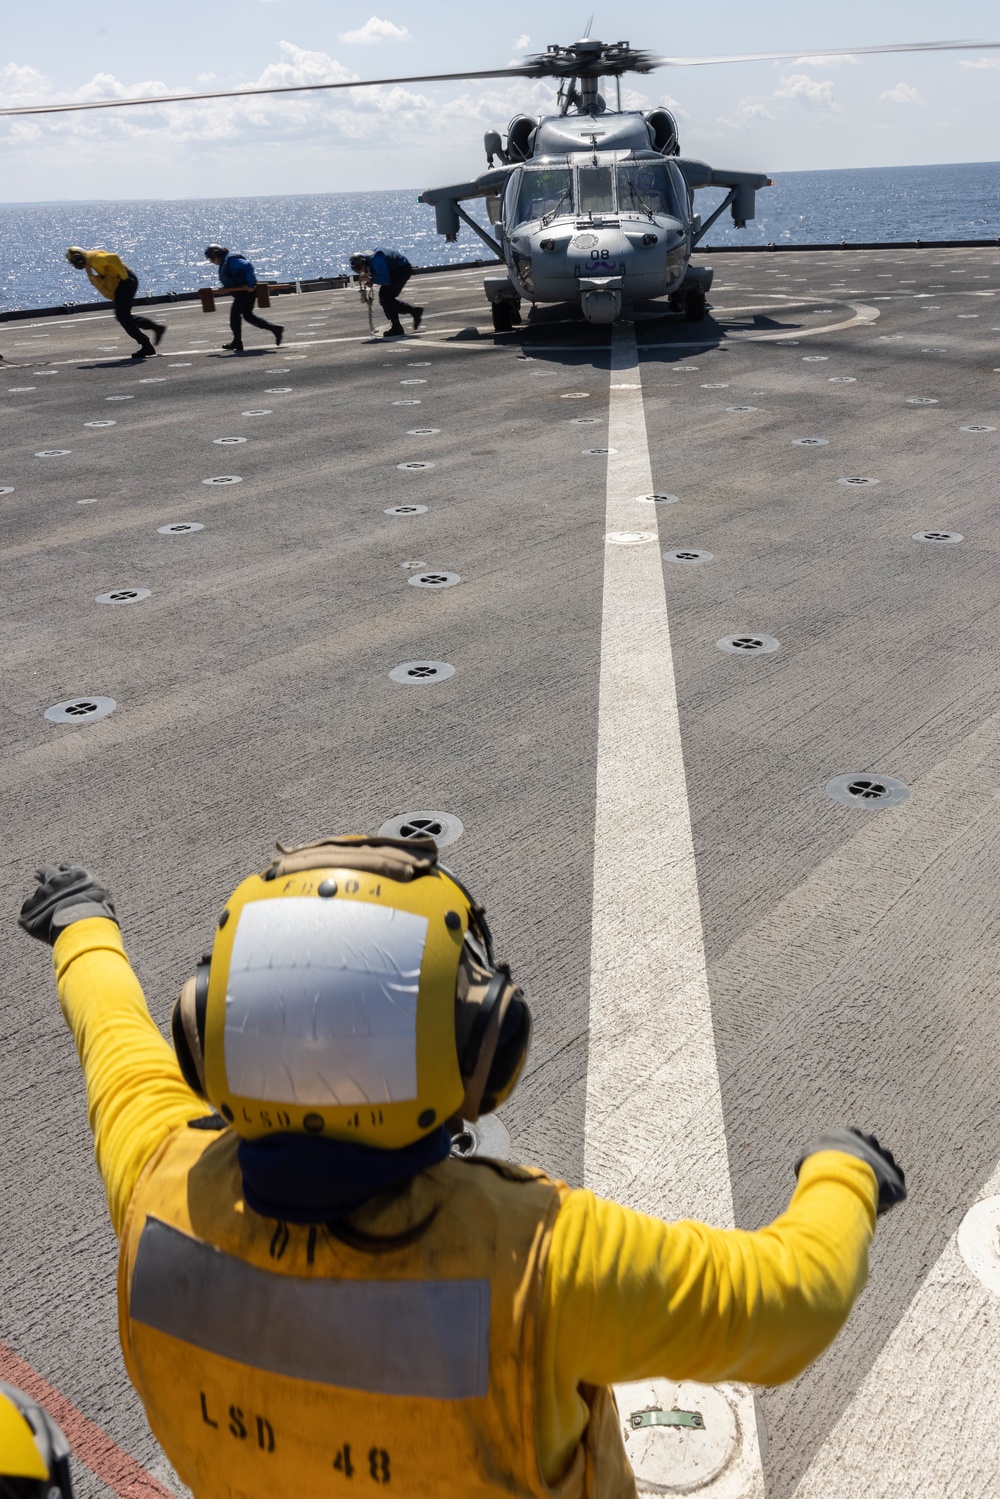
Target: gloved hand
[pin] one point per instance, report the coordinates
(849, 1141)
(64, 895)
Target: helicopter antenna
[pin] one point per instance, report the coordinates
(588, 28)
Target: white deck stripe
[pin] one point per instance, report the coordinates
(924, 1422)
(654, 1131)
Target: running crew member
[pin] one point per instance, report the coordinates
(115, 281)
(236, 271)
(311, 1287)
(389, 271)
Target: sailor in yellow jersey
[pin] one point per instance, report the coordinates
(114, 280)
(313, 1290)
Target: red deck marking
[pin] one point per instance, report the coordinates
(92, 1446)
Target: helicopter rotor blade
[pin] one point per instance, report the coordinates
(700, 62)
(251, 93)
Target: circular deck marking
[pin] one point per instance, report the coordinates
(714, 387)
(858, 480)
(101, 424)
(53, 452)
(418, 364)
(20, 390)
(434, 580)
(422, 671)
(862, 789)
(815, 358)
(822, 310)
(179, 527)
(423, 432)
(687, 556)
(262, 412)
(968, 314)
(810, 442)
(939, 537)
(977, 427)
(630, 538)
(934, 351)
(153, 380)
(405, 510)
(787, 343)
(748, 645)
(741, 408)
(705, 1444)
(410, 402)
(85, 502)
(921, 401)
(278, 390)
(185, 366)
(76, 709)
(119, 398)
(224, 479)
(487, 1137)
(979, 1242)
(414, 465)
(123, 596)
(417, 381)
(283, 370)
(584, 421)
(842, 379)
(575, 395)
(6, 489)
(657, 499)
(226, 442)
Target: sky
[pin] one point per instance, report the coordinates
(776, 117)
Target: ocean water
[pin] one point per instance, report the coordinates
(313, 235)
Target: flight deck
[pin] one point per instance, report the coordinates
(683, 637)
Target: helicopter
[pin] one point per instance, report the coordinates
(593, 208)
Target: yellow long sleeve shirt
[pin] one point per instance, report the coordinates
(624, 1297)
(106, 271)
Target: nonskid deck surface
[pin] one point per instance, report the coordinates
(812, 963)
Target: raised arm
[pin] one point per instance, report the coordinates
(136, 1095)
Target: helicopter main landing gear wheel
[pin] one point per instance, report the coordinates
(694, 306)
(505, 315)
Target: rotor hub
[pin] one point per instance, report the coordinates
(590, 58)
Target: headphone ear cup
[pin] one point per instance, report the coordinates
(187, 1030)
(513, 1046)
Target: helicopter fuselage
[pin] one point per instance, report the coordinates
(594, 209)
(601, 228)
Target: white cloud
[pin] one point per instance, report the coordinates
(902, 94)
(802, 89)
(523, 43)
(375, 30)
(982, 62)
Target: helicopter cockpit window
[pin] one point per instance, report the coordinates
(645, 187)
(545, 190)
(596, 190)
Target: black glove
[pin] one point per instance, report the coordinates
(890, 1178)
(64, 895)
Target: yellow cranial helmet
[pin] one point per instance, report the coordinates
(34, 1454)
(352, 993)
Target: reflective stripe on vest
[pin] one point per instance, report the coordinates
(423, 1338)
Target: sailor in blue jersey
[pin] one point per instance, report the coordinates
(389, 271)
(236, 271)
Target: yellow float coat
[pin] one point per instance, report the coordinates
(105, 271)
(582, 1293)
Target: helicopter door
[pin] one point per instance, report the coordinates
(595, 187)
